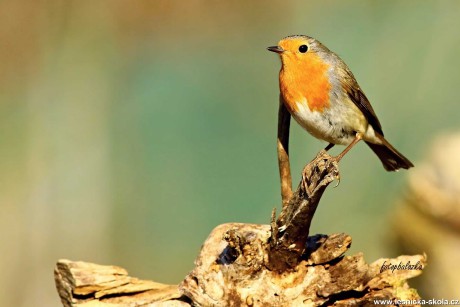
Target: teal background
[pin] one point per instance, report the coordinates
(129, 130)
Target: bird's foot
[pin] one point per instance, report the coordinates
(322, 153)
(335, 164)
(323, 168)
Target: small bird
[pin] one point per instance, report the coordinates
(322, 95)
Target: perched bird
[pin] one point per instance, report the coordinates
(322, 95)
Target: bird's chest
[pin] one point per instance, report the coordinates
(307, 83)
(306, 95)
(317, 105)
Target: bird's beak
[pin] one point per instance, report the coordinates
(276, 49)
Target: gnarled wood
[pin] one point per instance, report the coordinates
(257, 265)
(291, 229)
(284, 121)
(231, 271)
(87, 284)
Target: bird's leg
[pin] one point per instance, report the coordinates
(329, 147)
(358, 137)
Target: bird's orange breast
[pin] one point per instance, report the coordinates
(305, 80)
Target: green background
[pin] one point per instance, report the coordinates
(130, 129)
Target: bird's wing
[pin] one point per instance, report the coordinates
(355, 93)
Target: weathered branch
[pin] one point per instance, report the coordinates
(291, 230)
(87, 284)
(284, 120)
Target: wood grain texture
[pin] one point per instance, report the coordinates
(88, 284)
(284, 122)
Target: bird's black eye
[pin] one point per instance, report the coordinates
(303, 48)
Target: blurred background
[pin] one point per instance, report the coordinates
(130, 129)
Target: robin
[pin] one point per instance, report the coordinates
(322, 95)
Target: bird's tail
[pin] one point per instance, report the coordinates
(392, 159)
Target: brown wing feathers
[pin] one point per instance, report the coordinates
(391, 159)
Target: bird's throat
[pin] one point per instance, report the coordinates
(305, 80)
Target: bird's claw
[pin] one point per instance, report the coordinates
(338, 180)
(335, 163)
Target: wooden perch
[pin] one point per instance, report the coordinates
(234, 273)
(256, 265)
(284, 122)
(290, 232)
(230, 271)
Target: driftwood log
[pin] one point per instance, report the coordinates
(256, 265)
(259, 265)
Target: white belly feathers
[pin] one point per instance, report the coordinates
(336, 124)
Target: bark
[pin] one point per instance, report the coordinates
(87, 284)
